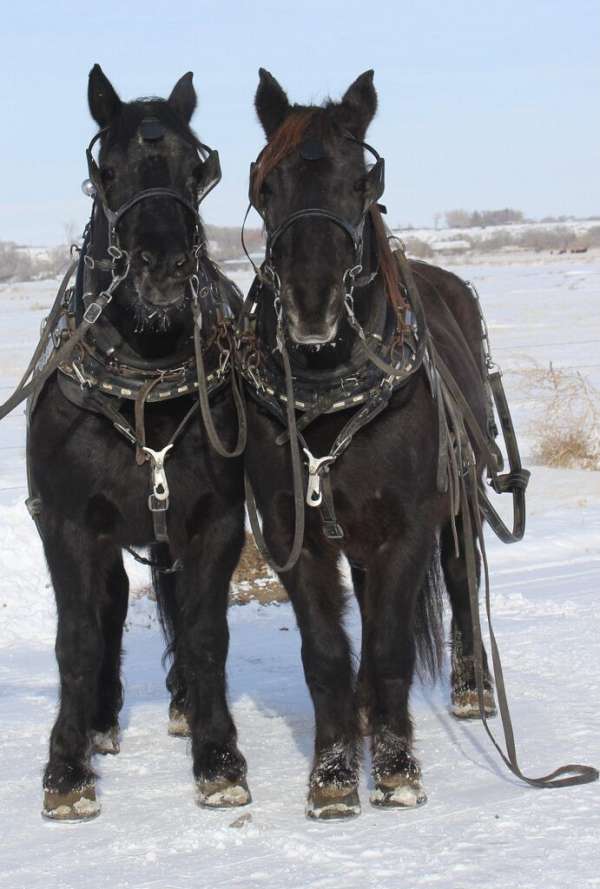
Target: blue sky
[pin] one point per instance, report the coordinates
(482, 104)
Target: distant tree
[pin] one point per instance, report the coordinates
(457, 219)
(479, 218)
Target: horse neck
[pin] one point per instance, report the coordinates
(145, 341)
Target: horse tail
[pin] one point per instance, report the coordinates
(429, 620)
(165, 591)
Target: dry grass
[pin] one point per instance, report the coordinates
(566, 425)
(254, 580)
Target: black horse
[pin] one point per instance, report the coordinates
(380, 504)
(98, 439)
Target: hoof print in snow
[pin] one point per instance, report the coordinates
(78, 805)
(106, 743)
(465, 704)
(223, 794)
(179, 726)
(398, 792)
(331, 802)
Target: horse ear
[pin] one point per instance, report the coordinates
(183, 97)
(271, 103)
(103, 100)
(358, 106)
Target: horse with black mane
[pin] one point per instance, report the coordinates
(117, 454)
(332, 337)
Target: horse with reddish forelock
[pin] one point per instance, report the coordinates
(318, 201)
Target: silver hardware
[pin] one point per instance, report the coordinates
(316, 467)
(88, 188)
(82, 379)
(160, 486)
(92, 313)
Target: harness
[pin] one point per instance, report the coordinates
(386, 364)
(97, 371)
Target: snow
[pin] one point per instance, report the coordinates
(480, 827)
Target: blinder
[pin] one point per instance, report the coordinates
(151, 130)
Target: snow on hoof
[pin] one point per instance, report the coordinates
(331, 802)
(106, 743)
(465, 704)
(398, 792)
(223, 794)
(78, 805)
(179, 726)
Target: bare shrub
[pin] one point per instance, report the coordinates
(417, 247)
(482, 218)
(566, 424)
(21, 264)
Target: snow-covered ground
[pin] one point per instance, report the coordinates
(481, 827)
(551, 237)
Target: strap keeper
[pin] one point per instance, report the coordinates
(511, 481)
(331, 530)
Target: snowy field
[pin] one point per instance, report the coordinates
(481, 829)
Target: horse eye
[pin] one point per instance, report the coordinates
(108, 174)
(359, 185)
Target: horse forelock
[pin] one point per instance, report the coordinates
(283, 141)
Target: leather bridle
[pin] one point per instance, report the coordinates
(151, 130)
(375, 185)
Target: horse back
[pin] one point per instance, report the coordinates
(454, 322)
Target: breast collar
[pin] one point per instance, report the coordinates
(347, 385)
(105, 363)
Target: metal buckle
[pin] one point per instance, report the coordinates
(92, 313)
(155, 505)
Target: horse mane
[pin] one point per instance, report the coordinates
(285, 140)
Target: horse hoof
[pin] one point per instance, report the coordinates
(223, 794)
(331, 802)
(78, 805)
(465, 704)
(106, 743)
(179, 726)
(398, 792)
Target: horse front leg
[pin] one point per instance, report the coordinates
(78, 573)
(318, 599)
(112, 607)
(464, 697)
(396, 576)
(202, 645)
